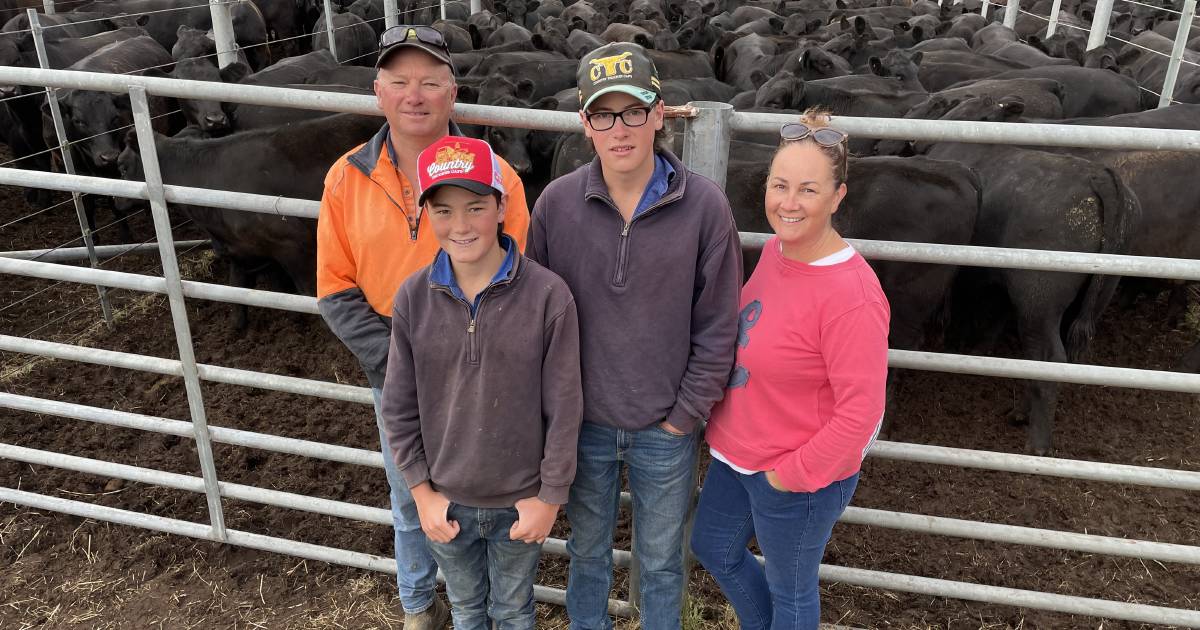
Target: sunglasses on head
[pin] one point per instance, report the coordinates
(402, 32)
(823, 136)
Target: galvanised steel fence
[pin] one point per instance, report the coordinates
(708, 128)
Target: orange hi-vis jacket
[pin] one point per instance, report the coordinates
(371, 236)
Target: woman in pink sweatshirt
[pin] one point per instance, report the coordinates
(806, 396)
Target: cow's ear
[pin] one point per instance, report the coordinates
(142, 20)
(840, 4)
(758, 78)
(860, 24)
(901, 28)
(538, 41)
(685, 35)
(806, 59)
(916, 57)
(524, 89)
(476, 36)
(641, 40)
(776, 24)
(844, 23)
(546, 102)
(1037, 43)
(918, 34)
(182, 30)
(234, 72)
(876, 65)
(467, 93)
(812, 26)
(1011, 106)
(1073, 51)
(1086, 14)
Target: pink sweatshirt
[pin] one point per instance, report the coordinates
(806, 396)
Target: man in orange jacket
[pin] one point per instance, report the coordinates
(371, 237)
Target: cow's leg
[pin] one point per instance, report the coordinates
(242, 276)
(1041, 301)
(1177, 303)
(1191, 360)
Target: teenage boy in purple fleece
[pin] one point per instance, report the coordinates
(482, 401)
(651, 254)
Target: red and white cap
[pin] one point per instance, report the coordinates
(456, 161)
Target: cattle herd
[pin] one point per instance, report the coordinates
(855, 57)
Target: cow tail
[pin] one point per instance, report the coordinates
(1119, 209)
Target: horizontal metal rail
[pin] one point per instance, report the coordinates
(260, 542)
(1145, 550)
(1032, 134)
(69, 254)
(935, 253)
(883, 128)
(275, 498)
(828, 573)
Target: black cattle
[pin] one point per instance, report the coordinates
(682, 91)
(544, 77)
(192, 43)
(1086, 91)
(371, 12)
(245, 117)
(1039, 200)
(95, 121)
(356, 41)
(1149, 67)
(164, 17)
(289, 161)
(296, 69)
(939, 69)
(208, 117)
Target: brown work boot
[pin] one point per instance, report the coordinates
(433, 618)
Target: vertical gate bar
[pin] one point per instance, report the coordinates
(183, 334)
(1100, 19)
(1177, 52)
(329, 30)
(476, 6)
(391, 14)
(60, 131)
(442, 3)
(1011, 12)
(48, 7)
(983, 9)
(1053, 24)
(706, 140)
(222, 24)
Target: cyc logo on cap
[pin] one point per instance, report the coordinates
(451, 160)
(608, 66)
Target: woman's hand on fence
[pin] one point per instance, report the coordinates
(535, 517)
(434, 510)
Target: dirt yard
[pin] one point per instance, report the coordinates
(59, 571)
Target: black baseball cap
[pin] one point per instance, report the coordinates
(426, 38)
(617, 67)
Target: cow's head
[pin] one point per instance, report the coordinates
(96, 121)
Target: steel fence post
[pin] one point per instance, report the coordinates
(1011, 12)
(64, 146)
(1177, 52)
(1100, 20)
(391, 14)
(442, 4)
(1053, 23)
(222, 25)
(329, 30)
(48, 7)
(983, 8)
(706, 140)
(476, 6)
(183, 334)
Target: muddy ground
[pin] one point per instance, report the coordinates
(59, 571)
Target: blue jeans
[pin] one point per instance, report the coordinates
(416, 572)
(792, 529)
(488, 575)
(660, 480)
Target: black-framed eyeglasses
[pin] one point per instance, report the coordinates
(632, 117)
(823, 136)
(402, 32)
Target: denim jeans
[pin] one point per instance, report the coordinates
(488, 575)
(416, 572)
(792, 529)
(660, 481)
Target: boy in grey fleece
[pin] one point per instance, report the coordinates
(651, 254)
(482, 400)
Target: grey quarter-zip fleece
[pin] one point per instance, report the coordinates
(485, 406)
(657, 296)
